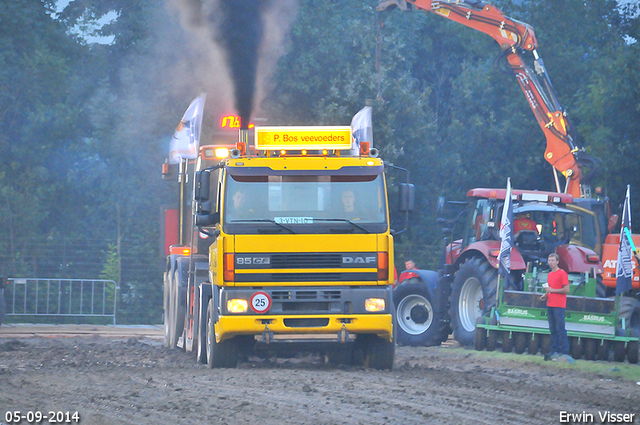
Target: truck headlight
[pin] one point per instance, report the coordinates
(374, 304)
(237, 305)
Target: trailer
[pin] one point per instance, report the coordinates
(518, 322)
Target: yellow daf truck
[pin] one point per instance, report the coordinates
(300, 255)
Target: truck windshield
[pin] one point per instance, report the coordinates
(304, 203)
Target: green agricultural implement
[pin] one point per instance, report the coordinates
(519, 323)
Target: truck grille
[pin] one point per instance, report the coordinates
(306, 295)
(306, 277)
(302, 261)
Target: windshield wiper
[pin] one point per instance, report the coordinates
(264, 220)
(344, 220)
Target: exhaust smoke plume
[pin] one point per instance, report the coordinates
(250, 34)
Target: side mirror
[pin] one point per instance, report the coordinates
(407, 196)
(201, 189)
(205, 207)
(203, 220)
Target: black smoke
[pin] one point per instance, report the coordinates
(238, 28)
(248, 36)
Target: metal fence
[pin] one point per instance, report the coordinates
(61, 298)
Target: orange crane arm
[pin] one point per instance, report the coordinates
(516, 38)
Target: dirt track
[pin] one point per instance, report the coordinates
(127, 377)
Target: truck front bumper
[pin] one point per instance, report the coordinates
(314, 326)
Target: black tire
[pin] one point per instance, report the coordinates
(545, 343)
(619, 351)
(575, 348)
(378, 353)
(590, 348)
(167, 311)
(632, 352)
(602, 351)
(520, 340)
(492, 335)
(201, 329)
(418, 325)
(177, 309)
(219, 354)
(3, 304)
(480, 340)
(507, 342)
(533, 344)
(601, 290)
(492, 339)
(473, 295)
(629, 308)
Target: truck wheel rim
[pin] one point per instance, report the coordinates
(469, 304)
(415, 314)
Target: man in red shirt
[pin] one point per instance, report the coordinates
(557, 289)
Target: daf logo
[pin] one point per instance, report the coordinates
(359, 259)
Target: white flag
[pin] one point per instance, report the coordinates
(362, 127)
(506, 234)
(186, 139)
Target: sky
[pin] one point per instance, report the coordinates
(106, 19)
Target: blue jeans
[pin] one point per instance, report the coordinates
(559, 340)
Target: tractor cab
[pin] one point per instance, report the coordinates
(542, 222)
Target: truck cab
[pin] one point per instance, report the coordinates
(300, 250)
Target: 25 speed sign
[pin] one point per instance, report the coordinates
(260, 302)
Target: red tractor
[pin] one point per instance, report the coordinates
(465, 287)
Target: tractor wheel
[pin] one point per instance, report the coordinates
(632, 352)
(545, 343)
(219, 354)
(480, 341)
(507, 341)
(629, 308)
(473, 295)
(602, 351)
(534, 344)
(417, 323)
(520, 342)
(590, 348)
(575, 348)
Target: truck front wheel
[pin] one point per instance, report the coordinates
(418, 323)
(219, 354)
(473, 294)
(378, 352)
